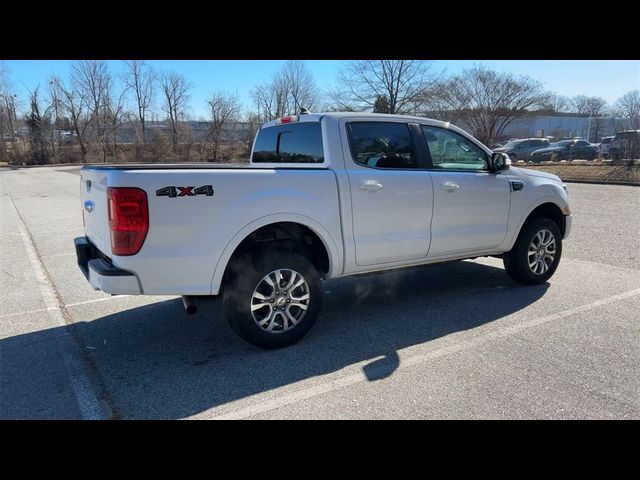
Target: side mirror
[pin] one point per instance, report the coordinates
(499, 161)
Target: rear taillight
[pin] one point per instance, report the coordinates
(128, 219)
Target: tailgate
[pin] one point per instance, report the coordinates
(93, 194)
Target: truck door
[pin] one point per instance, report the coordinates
(391, 192)
(471, 204)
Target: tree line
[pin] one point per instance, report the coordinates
(79, 118)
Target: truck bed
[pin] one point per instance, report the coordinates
(190, 166)
(163, 166)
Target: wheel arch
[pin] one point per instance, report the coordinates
(546, 208)
(297, 221)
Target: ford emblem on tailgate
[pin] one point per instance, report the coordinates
(88, 206)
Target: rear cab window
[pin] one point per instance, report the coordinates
(289, 143)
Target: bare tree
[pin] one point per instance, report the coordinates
(592, 106)
(558, 103)
(628, 107)
(400, 85)
(487, 101)
(115, 111)
(140, 79)
(224, 107)
(267, 101)
(8, 115)
(75, 106)
(93, 80)
(37, 122)
(175, 89)
(299, 85)
(291, 89)
(252, 121)
(55, 105)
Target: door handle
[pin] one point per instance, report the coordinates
(371, 186)
(449, 186)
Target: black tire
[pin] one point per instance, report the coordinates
(516, 262)
(246, 274)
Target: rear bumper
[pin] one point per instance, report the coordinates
(100, 272)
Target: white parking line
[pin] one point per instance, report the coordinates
(88, 403)
(103, 299)
(263, 406)
(68, 305)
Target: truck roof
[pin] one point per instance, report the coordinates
(316, 117)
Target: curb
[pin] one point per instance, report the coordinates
(17, 167)
(598, 182)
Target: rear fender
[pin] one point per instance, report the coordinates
(335, 258)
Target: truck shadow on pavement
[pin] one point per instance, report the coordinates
(159, 363)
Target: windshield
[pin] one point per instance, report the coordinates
(563, 143)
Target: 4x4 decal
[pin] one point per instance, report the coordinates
(172, 192)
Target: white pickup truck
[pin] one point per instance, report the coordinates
(325, 196)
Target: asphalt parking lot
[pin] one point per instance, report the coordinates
(450, 341)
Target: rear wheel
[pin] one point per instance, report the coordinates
(536, 255)
(273, 301)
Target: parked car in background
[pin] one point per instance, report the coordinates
(566, 150)
(522, 149)
(604, 146)
(625, 145)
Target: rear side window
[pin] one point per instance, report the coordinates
(290, 143)
(382, 145)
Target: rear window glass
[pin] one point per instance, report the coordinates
(290, 143)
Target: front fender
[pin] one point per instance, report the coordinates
(517, 221)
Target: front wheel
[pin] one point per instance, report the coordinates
(536, 255)
(272, 302)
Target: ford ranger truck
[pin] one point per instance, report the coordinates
(324, 196)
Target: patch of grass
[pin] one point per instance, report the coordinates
(616, 174)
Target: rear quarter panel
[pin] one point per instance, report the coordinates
(191, 238)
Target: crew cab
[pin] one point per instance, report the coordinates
(324, 196)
